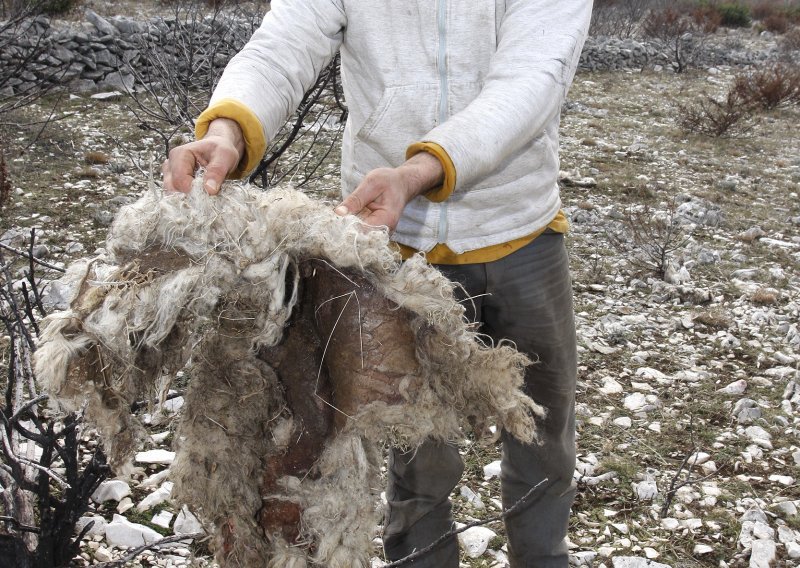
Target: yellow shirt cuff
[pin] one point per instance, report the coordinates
(255, 144)
(437, 194)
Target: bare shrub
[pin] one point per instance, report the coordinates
(769, 87)
(679, 36)
(618, 18)
(776, 23)
(648, 238)
(177, 70)
(175, 84)
(45, 486)
(790, 42)
(762, 10)
(716, 117)
(707, 18)
(304, 143)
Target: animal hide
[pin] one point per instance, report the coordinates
(308, 345)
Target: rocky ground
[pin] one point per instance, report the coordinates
(689, 396)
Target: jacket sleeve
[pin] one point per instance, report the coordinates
(538, 47)
(269, 76)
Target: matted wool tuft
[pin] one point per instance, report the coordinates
(205, 286)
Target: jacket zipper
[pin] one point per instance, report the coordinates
(443, 88)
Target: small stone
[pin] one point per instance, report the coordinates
(472, 498)
(635, 402)
(610, 386)
(787, 508)
(699, 458)
(163, 457)
(763, 530)
(759, 436)
(491, 470)
(102, 554)
(636, 562)
(475, 540)
(98, 528)
(125, 505)
(583, 558)
(623, 422)
(114, 490)
(651, 553)
(784, 480)
(762, 554)
(793, 550)
(646, 490)
(107, 96)
(103, 26)
(122, 533)
(156, 497)
(735, 388)
(670, 524)
(186, 523)
(162, 519)
(700, 549)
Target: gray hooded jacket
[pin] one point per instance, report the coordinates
(484, 79)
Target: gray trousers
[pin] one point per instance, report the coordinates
(525, 297)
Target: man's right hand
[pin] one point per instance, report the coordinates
(219, 152)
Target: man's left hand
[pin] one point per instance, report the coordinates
(382, 195)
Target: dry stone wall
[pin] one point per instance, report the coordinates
(100, 53)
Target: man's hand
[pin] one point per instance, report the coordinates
(384, 192)
(219, 152)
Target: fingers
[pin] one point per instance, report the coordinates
(179, 170)
(218, 157)
(353, 204)
(222, 162)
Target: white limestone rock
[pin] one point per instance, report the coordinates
(735, 388)
(763, 554)
(471, 497)
(646, 490)
(491, 470)
(162, 457)
(98, 528)
(113, 490)
(186, 523)
(156, 497)
(636, 562)
(122, 533)
(475, 540)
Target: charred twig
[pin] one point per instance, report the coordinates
(30, 257)
(17, 525)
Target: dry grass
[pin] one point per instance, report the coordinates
(713, 318)
(765, 297)
(96, 158)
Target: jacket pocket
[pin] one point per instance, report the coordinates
(402, 116)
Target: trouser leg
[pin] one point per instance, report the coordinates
(418, 509)
(420, 482)
(530, 303)
(525, 297)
